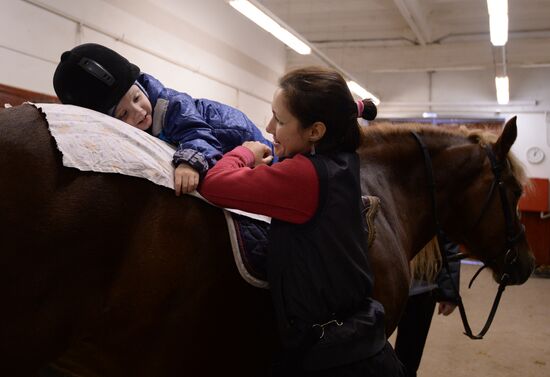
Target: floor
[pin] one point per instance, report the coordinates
(517, 345)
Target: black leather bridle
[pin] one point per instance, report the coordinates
(511, 251)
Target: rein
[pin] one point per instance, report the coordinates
(511, 253)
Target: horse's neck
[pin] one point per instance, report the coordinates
(394, 169)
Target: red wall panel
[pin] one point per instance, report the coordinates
(535, 199)
(537, 231)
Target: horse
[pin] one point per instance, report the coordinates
(109, 275)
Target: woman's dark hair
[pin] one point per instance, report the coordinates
(318, 94)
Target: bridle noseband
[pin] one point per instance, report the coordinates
(511, 252)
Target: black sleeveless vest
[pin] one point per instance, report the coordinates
(320, 276)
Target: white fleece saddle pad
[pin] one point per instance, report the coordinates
(92, 141)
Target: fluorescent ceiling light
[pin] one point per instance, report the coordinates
(429, 115)
(362, 92)
(498, 21)
(503, 92)
(270, 25)
(263, 18)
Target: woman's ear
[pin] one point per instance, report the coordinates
(317, 131)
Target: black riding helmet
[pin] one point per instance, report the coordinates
(93, 76)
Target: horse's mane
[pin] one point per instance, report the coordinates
(427, 263)
(383, 131)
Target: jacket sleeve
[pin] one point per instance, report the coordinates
(287, 190)
(445, 290)
(196, 143)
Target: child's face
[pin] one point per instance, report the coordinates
(135, 109)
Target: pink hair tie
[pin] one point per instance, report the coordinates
(360, 108)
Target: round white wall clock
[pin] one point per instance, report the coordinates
(535, 155)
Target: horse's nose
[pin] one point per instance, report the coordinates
(525, 267)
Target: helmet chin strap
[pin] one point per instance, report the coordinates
(136, 83)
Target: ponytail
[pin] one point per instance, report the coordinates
(366, 109)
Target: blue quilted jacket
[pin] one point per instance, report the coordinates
(201, 129)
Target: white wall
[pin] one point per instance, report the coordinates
(208, 50)
(204, 48)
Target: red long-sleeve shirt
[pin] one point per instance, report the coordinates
(287, 190)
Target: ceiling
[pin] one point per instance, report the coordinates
(373, 36)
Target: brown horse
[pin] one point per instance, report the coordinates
(109, 275)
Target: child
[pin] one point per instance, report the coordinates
(98, 78)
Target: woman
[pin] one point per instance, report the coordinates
(318, 269)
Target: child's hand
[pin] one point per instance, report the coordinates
(262, 153)
(186, 179)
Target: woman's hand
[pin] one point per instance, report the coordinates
(186, 179)
(446, 308)
(262, 153)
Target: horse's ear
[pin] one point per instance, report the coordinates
(506, 139)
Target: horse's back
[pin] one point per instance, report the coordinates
(63, 236)
(115, 266)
